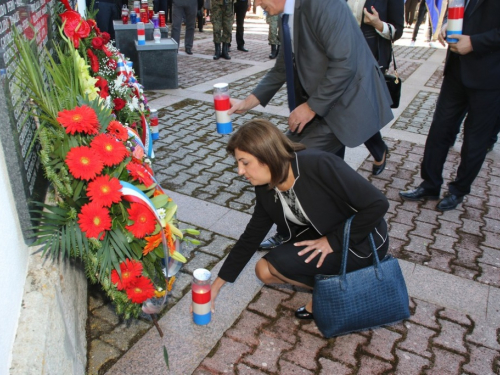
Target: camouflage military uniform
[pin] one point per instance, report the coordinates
(273, 29)
(222, 16)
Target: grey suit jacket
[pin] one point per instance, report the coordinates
(336, 69)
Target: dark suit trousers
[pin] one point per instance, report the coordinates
(480, 126)
(240, 9)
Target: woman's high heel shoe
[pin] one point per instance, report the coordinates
(378, 169)
(302, 313)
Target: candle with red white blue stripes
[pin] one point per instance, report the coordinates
(222, 105)
(141, 33)
(455, 20)
(202, 296)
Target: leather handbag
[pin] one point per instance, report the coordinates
(366, 298)
(392, 80)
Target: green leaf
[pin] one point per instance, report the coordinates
(192, 231)
(77, 190)
(160, 200)
(165, 356)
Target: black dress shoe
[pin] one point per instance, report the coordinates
(188, 51)
(242, 49)
(449, 202)
(271, 242)
(378, 169)
(418, 194)
(302, 313)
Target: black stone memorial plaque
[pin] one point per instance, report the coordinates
(17, 127)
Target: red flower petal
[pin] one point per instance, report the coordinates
(144, 220)
(93, 220)
(104, 191)
(84, 163)
(142, 290)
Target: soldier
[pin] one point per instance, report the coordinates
(273, 35)
(222, 21)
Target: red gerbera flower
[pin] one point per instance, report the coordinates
(144, 220)
(105, 37)
(118, 130)
(94, 61)
(119, 103)
(97, 42)
(94, 219)
(130, 270)
(102, 84)
(142, 290)
(105, 190)
(111, 151)
(81, 119)
(84, 163)
(139, 173)
(75, 27)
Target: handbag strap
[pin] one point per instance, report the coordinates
(345, 248)
(393, 58)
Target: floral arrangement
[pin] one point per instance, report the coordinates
(108, 209)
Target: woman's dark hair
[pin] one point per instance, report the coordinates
(268, 144)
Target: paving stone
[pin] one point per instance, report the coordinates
(451, 216)
(370, 366)
(99, 354)
(201, 260)
(268, 353)
(451, 337)
(425, 314)
(268, 301)
(455, 316)
(491, 239)
(219, 246)
(227, 355)
(444, 244)
(470, 226)
(489, 275)
(298, 299)
(417, 340)
(243, 369)
(445, 362)
(124, 334)
(428, 216)
(483, 335)
(489, 256)
(107, 313)
(344, 348)
(284, 328)
(419, 245)
(482, 361)
(246, 329)
(292, 369)
(405, 217)
(332, 367)
(400, 231)
(382, 342)
(306, 350)
(409, 363)
(440, 260)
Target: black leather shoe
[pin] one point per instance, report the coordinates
(418, 194)
(378, 169)
(188, 51)
(271, 242)
(449, 202)
(302, 313)
(242, 49)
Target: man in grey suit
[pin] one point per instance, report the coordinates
(188, 10)
(341, 95)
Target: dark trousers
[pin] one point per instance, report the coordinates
(240, 9)
(375, 145)
(480, 126)
(422, 11)
(188, 9)
(108, 11)
(410, 7)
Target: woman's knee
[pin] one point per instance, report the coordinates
(262, 271)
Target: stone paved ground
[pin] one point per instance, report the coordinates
(450, 260)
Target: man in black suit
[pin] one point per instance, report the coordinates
(471, 82)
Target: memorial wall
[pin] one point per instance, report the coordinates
(34, 19)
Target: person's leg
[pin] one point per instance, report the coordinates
(177, 12)
(240, 8)
(104, 17)
(422, 10)
(479, 128)
(190, 11)
(451, 104)
(378, 149)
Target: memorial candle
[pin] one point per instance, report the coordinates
(202, 296)
(222, 104)
(455, 20)
(141, 34)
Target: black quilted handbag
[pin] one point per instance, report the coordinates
(362, 299)
(392, 80)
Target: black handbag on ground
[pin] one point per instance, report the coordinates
(392, 80)
(362, 299)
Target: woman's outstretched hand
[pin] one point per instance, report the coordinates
(320, 247)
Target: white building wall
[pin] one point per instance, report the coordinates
(13, 268)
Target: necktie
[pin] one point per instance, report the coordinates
(287, 49)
